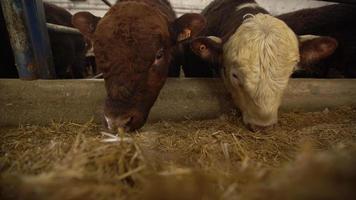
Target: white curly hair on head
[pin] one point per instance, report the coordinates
(263, 52)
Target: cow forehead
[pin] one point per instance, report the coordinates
(265, 43)
(134, 44)
(263, 51)
(125, 36)
(130, 18)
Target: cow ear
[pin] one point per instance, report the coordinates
(207, 48)
(188, 26)
(315, 48)
(86, 23)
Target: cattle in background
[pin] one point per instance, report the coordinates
(196, 65)
(68, 50)
(134, 44)
(259, 53)
(336, 21)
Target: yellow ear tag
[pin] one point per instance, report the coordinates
(185, 34)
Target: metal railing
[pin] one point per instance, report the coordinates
(100, 6)
(27, 27)
(62, 29)
(25, 22)
(341, 1)
(28, 32)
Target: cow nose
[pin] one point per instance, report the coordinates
(257, 128)
(118, 122)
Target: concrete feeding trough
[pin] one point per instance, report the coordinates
(44, 101)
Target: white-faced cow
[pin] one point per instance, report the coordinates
(259, 54)
(133, 45)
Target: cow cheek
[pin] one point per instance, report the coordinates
(156, 77)
(239, 98)
(139, 120)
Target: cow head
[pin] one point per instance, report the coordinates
(258, 60)
(132, 45)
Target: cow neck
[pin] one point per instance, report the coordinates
(231, 14)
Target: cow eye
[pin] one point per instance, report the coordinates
(236, 79)
(159, 54)
(235, 76)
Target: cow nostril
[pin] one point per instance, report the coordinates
(235, 76)
(256, 128)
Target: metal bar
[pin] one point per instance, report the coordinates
(62, 29)
(37, 31)
(341, 1)
(20, 41)
(103, 7)
(107, 3)
(101, 75)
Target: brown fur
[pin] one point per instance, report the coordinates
(163, 6)
(318, 56)
(126, 60)
(336, 21)
(133, 44)
(223, 19)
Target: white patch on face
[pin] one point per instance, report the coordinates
(304, 38)
(259, 59)
(109, 122)
(215, 39)
(246, 5)
(90, 52)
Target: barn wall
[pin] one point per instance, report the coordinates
(277, 7)
(184, 6)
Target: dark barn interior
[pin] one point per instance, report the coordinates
(173, 100)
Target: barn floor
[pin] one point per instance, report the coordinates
(210, 159)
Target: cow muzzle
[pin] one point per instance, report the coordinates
(258, 123)
(257, 128)
(118, 122)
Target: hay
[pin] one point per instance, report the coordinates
(326, 175)
(211, 159)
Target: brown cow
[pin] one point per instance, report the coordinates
(336, 21)
(133, 46)
(68, 49)
(259, 53)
